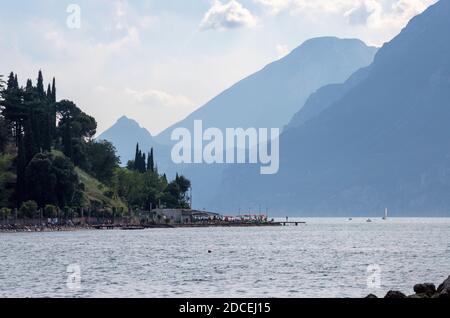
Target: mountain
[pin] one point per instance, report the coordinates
(267, 98)
(379, 140)
(270, 97)
(325, 97)
(124, 134)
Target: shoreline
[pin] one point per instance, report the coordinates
(127, 227)
(43, 229)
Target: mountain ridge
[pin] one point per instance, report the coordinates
(326, 57)
(381, 144)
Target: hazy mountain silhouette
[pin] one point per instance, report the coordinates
(125, 134)
(380, 140)
(270, 97)
(325, 97)
(267, 98)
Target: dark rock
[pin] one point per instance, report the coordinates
(395, 295)
(427, 289)
(421, 295)
(444, 289)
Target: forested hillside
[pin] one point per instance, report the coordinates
(50, 160)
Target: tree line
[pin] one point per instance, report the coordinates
(44, 141)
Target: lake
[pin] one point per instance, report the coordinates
(324, 258)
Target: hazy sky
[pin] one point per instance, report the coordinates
(158, 60)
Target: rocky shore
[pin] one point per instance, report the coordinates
(425, 290)
(46, 228)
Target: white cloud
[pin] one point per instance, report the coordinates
(275, 6)
(389, 14)
(158, 98)
(126, 44)
(373, 13)
(359, 15)
(282, 50)
(231, 15)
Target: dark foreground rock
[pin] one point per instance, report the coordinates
(425, 290)
(394, 295)
(444, 289)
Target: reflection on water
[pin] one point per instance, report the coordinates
(325, 258)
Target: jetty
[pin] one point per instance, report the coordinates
(291, 223)
(142, 220)
(188, 218)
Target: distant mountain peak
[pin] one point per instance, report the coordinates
(124, 119)
(314, 45)
(271, 96)
(379, 139)
(125, 122)
(124, 134)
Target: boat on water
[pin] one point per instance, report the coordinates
(369, 221)
(385, 214)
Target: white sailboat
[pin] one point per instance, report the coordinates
(385, 214)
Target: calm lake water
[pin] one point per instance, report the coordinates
(325, 258)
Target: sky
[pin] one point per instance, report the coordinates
(156, 61)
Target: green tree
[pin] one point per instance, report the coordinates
(176, 194)
(50, 211)
(67, 182)
(151, 162)
(103, 161)
(75, 128)
(51, 180)
(4, 134)
(136, 157)
(53, 99)
(21, 164)
(13, 109)
(40, 85)
(7, 180)
(40, 180)
(5, 213)
(29, 209)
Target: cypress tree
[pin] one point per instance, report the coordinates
(28, 140)
(53, 99)
(53, 110)
(49, 93)
(13, 109)
(21, 166)
(143, 163)
(151, 164)
(136, 158)
(47, 121)
(32, 122)
(40, 85)
(12, 80)
(47, 137)
(139, 161)
(67, 141)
